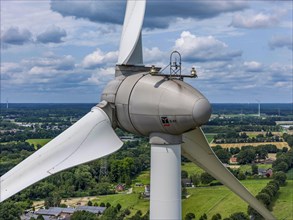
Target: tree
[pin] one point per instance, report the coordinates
(206, 178)
(264, 198)
(184, 174)
(281, 166)
(280, 177)
(109, 214)
(189, 216)
(9, 211)
(127, 212)
(254, 169)
(102, 204)
(203, 217)
(118, 207)
(239, 216)
(223, 155)
(217, 217)
(40, 217)
(195, 179)
(246, 156)
(83, 215)
(241, 176)
(89, 203)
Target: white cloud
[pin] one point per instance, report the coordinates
(253, 66)
(202, 49)
(259, 20)
(101, 76)
(153, 55)
(99, 58)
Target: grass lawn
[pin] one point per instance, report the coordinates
(283, 208)
(130, 201)
(35, 142)
(247, 168)
(143, 177)
(191, 168)
(290, 174)
(210, 137)
(209, 200)
(218, 199)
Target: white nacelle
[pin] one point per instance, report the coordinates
(145, 104)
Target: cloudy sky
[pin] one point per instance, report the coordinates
(65, 51)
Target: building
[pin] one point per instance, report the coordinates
(65, 213)
(120, 187)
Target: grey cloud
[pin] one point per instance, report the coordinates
(159, 14)
(97, 11)
(52, 35)
(15, 36)
(281, 41)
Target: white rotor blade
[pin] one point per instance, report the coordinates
(197, 149)
(90, 138)
(130, 52)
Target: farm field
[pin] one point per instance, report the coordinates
(279, 145)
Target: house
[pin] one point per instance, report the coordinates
(65, 213)
(186, 182)
(233, 160)
(147, 191)
(269, 172)
(265, 172)
(120, 187)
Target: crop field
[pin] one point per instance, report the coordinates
(279, 145)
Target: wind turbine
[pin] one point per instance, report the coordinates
(166, 109)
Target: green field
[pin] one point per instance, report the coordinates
(143, 178)
(218, 199)
(210, 137)
(209, 200)
(290, 174)
(35, 142)
(191, 168)
(283, 208)
(247, 168)
(130, 201)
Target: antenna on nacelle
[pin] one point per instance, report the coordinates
(175, 68)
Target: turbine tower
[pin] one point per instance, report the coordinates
(142, 101)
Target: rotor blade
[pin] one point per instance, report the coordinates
(90, 138)
(197, 149)
(130, 52)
